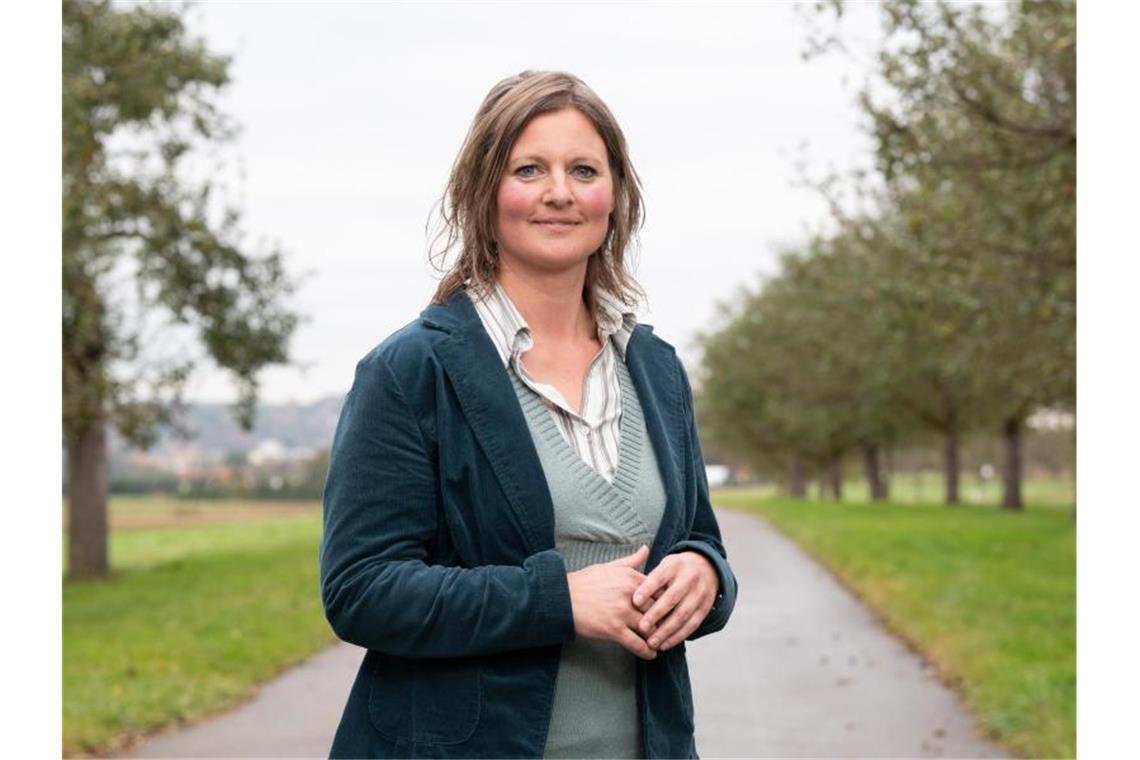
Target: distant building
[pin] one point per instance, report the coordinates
(270, 450)
(718, 475)
(1051, 419)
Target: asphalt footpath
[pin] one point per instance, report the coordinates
(802, 669)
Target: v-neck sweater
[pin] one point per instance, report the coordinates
(595, 703)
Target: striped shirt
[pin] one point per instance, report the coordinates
(594, 431)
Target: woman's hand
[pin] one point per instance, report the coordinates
(602, 600)
(676, 597)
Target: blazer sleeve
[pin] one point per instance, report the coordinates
(705, 534)
(378, 585)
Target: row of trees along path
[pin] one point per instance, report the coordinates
(944, 300)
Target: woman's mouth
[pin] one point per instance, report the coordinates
(558, 226)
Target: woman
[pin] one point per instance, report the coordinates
(517, 525)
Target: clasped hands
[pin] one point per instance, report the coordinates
(643, 613)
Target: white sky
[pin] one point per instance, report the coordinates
(353, 113)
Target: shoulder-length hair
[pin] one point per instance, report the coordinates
(468, 205)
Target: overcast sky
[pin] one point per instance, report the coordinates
(351, 116)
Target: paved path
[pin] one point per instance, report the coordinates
(292, 716)
(802, 670)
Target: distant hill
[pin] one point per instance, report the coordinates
(215, 434)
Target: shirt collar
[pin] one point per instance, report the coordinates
(512, 335)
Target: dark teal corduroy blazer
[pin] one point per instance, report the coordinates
(438, 548)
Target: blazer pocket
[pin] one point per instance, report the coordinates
(425, 701)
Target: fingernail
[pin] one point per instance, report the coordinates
(654, 642)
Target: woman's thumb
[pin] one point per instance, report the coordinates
(635, 559)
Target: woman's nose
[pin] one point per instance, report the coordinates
(558, 189)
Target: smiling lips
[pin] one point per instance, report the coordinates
(557, 225)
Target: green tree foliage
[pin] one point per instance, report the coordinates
(949, 302)
(929, 323)
(748, 369)
(796, 378)
(978, 146)
(145, 249)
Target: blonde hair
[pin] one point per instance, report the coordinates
(467, 206)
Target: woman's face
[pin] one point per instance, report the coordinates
(555, 196)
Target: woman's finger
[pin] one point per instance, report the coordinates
(635, 560)
(673, 622)
(634, 643)
(661, 576)
(692, 624)
(665, 603)
(685, 632)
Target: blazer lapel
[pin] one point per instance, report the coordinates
(651, 364)
(492, 409)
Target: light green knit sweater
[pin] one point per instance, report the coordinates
(595, 700)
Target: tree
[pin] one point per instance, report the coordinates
(986, 105)
(859, 346)
(146, 252)
(796, 376)
(975, 133)
(748, 375)
(930, 317)
(734, 394)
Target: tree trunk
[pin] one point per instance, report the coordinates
(950, 464)
(87, 489)
(797, 478)
(835, 473)
(1011, 471)
(889, 473)
(876, 483)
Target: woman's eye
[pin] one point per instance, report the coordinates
(531, 170)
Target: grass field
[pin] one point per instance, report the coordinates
(927, 488)
(988, 596)
(219, 599)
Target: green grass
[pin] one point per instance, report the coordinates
(989, 596)
(193, 619)
(928, 488)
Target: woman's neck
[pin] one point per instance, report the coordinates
(551, 304)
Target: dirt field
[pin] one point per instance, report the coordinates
(145, 513)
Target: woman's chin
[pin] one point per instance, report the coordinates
(552, 261)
